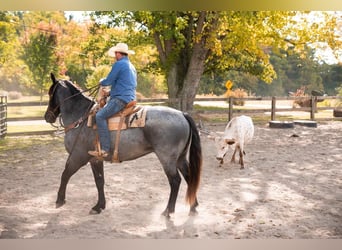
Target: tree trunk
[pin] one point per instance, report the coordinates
(185, 69)
(175, 81)
(184, 87)
(196, 59)
(172, 85)
(193, 76)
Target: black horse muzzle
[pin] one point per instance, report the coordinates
(50, 117)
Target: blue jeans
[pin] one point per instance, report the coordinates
(114, 105)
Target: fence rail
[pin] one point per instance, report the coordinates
(229, 108)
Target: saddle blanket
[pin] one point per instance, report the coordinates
(134, 120)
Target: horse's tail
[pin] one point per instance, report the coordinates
(195, 161)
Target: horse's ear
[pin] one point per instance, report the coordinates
(53, 78)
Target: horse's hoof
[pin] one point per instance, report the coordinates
(97, 209)
(166, 214)
(193, 212)
(59, 204)
(93, 211)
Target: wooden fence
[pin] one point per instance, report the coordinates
(229, 108)
(273, 109)
(312, 109)
(3, 116)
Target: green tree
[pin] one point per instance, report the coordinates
(39, 55)
(193, 42)
(7, 44)
(302, 71)
(94, 55)
(71, 43)
(294, 70)
(7, 33)
(13, 73)
(332, 78)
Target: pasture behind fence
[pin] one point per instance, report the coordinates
(230, 109)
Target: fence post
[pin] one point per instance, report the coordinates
(230, 113)
(3, 116)
(313, 107)
(273, 108)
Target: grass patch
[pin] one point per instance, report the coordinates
(26, 111)
(29, 128)
(22, 142)
(28, 99)
(198, 107)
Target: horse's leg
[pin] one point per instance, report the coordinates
(97, 168)
(69, 170)
(184, 169)
(174, 181)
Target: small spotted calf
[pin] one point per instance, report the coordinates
(238, 132)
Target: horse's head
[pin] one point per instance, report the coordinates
(53, 109)
(59, 92)
(64, 98)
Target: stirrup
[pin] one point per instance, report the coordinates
(102, 154)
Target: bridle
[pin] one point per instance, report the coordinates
(93, 92)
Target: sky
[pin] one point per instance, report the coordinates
(78, 16)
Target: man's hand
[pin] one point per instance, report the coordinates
(105, 91)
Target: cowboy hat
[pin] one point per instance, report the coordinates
(120, 47)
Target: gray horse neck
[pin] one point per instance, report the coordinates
(77, 111)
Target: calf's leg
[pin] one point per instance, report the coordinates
(241, 158)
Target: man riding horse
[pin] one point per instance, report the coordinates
(123, 82)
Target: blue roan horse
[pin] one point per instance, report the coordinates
(169, 133)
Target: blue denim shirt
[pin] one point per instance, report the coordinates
(123, 80)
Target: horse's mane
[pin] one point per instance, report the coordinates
(76, 89)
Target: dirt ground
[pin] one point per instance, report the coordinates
(291, 188)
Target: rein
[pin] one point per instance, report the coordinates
(76, 124)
